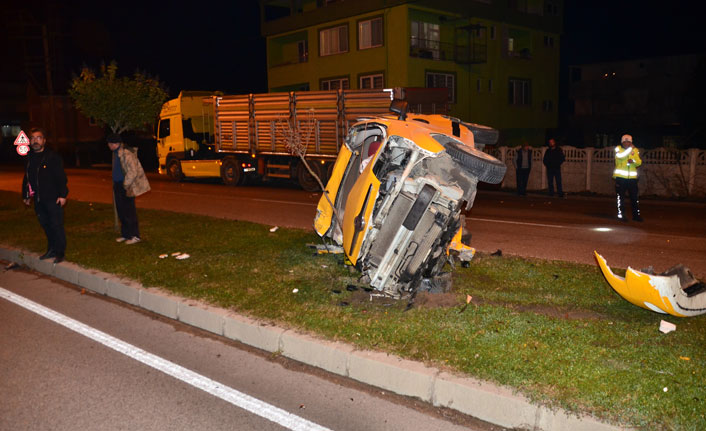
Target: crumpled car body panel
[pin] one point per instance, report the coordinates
(399, 188)
(661, 293)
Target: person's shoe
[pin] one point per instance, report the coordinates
(638, 218)
(59, 258)
(133, 240)
(48, 255)
(121, 239)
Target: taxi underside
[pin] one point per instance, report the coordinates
(399, 190)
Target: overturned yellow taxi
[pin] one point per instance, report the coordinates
(395, 197)
(674, 291)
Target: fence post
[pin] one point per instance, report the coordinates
(544, 170)
(693, 153)
(589, 162)
(503, 153)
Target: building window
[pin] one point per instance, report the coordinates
(519, 43)
(370, 33)
(442, 80)
(490, 86)
(333, 40)
(492, 32)
(551, 8)
(303, 50)
(334, 84)
(549, 41)
(371, 81)
(288, 49)
(519, 92)
(425, 41)
(547, 106)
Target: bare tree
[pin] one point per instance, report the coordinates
(297, 136)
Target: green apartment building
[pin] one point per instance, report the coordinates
(499, 59)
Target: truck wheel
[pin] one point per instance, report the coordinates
(484, 166)
(174, 170)
(306, 180)
(231, 173)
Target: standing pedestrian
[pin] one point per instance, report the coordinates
(553, 158)
(523, 165)
(627, 160)
(45, 183)
(129, 181)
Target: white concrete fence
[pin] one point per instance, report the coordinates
(664, 172)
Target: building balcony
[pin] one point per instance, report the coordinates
(443, 51)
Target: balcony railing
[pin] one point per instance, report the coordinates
(444, 51)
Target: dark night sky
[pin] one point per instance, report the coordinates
(216, 45)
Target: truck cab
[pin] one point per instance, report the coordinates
(185, 137)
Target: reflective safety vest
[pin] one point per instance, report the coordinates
(623, 167)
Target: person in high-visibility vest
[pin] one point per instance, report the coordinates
(627, 160)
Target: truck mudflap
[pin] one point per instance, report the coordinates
(674, 292)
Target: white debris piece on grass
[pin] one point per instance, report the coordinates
(162, 256)
(274, 229)
(176, 253)
(666, 327)
(665, 389)
(183, 256)
(295, 290)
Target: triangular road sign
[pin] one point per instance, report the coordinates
(22, 139)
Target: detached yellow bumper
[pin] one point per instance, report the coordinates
(660, 293)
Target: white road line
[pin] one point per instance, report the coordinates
(235, 198)
(515, 222)
(284, 202)
(239, 399)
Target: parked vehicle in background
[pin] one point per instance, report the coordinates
(398, 187)
(202, 134)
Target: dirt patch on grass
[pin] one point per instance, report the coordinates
(546, 310)
(436, 300)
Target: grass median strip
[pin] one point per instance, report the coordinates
(555, 331)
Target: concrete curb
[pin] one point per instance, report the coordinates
(497, 405)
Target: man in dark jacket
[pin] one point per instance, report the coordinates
(553, 158)
(45, 183)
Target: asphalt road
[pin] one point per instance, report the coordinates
(533, 226)
(54, 377)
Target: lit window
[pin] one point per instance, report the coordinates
(333, 40)
(371, 81)
(335, 84)
(370, 33)
(442, 80)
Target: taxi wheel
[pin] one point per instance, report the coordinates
(482, 165)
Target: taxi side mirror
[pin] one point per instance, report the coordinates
(399, 107)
